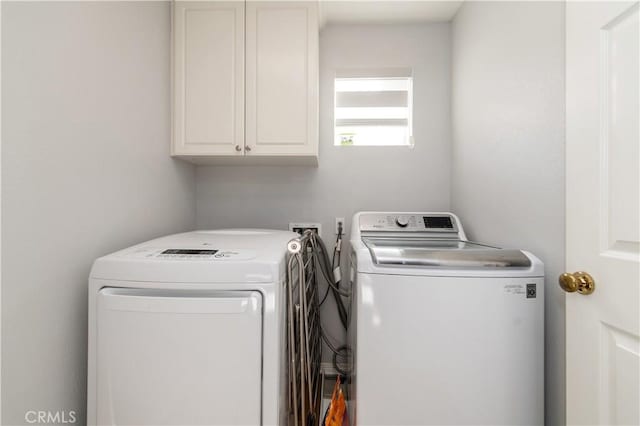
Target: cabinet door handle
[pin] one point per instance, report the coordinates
(247, 148)
(238, 148)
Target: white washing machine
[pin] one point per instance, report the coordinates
(444, 331)
(189, 330)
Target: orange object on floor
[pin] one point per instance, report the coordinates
(337, 407)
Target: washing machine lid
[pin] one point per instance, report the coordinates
(442, 253)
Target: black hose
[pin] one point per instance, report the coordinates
(320, 257)
(347, 353)
(324, 267)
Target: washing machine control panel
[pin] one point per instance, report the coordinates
(192, 254)
(408, 222)
(205, 254)
(189, 252)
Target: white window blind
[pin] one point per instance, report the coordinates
(373, 107)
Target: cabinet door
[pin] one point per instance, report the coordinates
(208, 78)
(282, 78)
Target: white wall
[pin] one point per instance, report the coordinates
(85, 171)
(86, 167)
(349, 179)
(508, 145)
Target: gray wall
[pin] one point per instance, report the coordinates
(349, 179)
(508, 145)
(85, 171)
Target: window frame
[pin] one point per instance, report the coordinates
(403, 74)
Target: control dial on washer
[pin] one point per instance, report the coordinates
(402, 221)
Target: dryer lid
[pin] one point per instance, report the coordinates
(442, 253)
(216, 256)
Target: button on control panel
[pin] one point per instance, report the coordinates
(402, 221)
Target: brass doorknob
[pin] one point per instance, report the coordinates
(580, 281)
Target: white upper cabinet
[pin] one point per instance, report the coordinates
(208, 78)
(282, 78)
(245, 82)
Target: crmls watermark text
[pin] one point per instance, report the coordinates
(50, 417)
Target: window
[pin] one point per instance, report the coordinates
(373, 107)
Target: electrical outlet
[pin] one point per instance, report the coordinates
(300, 227)
(339, 222)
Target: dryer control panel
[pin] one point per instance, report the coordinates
(192, 254)
(409, 222)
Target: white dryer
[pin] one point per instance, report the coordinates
(189, 330)
(444, 331)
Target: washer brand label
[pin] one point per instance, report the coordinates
(531, 291)
(514, 289)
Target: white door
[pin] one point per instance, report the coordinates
(179, 358)
(208, 78)
(282, 78)
(603, 234)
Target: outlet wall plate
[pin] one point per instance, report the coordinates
(338, 221)
(300, 227)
